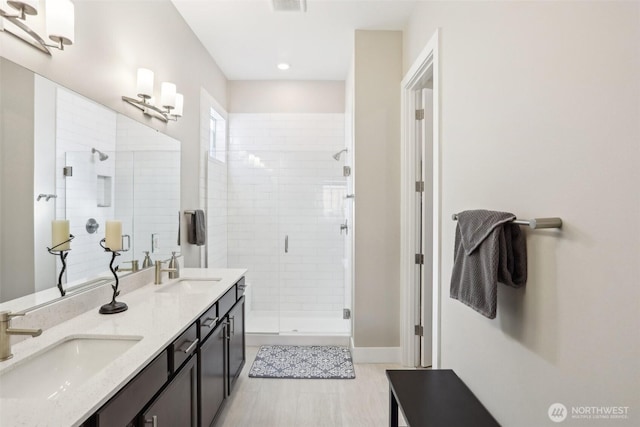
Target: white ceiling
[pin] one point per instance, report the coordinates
(247, 38)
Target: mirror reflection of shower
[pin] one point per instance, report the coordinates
(102, 155)
(337, 155)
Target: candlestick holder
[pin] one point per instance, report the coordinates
(63, 253)
(114, 306)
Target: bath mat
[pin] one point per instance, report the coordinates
(302, 361)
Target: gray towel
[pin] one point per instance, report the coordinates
(197, 228)
(488, 249)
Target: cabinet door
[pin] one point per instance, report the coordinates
(126, 405)
(212, 374)
(236, 342)
(177, 404)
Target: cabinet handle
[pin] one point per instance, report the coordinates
(153, 421)
(242, 287)
(209, 322)
(286, 244)
(233, 327)
(228, 331)
(190, 348)
(224, 330)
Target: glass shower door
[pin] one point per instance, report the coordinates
(284, 215)
(87, 195)
(311, 196)
(253, 239)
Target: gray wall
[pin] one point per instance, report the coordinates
(540, 116)
(113, 40)
(377, 76)
(16, 179)
(260, 96)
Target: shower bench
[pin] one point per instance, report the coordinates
(434, 398)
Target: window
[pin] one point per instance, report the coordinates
(217, 136)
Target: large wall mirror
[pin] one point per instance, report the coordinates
(64, 156)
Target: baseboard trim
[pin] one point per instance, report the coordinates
(376, 354)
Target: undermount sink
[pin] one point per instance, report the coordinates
(62, 366)
(189, 286)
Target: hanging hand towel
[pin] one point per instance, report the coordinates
(488, 249)
(197, 228)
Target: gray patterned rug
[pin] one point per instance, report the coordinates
(300, 361)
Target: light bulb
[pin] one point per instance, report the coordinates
(59, 16)
(179, 105)
(168, 95)
(144, 86)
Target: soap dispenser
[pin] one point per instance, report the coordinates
(173, 264)
(146, 263)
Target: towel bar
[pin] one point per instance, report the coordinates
(533, 223)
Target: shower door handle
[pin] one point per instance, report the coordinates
(286, 244)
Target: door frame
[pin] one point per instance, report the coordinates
(424, 67)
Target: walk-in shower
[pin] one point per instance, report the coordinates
(102, 155)
(285, 205)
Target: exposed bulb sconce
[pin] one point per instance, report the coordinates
(59, 19)
(171, 103)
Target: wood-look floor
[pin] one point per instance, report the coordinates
(262, 402)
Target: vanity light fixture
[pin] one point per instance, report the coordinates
(171, 102)
(59, 20)
(283, 66)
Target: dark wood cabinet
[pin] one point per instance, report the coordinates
(212, 374)
(125, 406)
(222, 356)
(182, 348)
(177, 403)
(235, 336)
(187, 384)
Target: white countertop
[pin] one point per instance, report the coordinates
(157, 317)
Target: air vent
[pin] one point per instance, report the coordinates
(289, 5)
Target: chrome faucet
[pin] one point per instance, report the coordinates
(6, 332)
(160, 270)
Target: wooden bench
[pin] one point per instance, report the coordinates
(434, 398)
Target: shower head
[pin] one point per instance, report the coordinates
(337, 155)
(103, 156)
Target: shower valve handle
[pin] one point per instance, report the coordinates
(344, 227)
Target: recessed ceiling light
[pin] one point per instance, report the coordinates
(283, 66)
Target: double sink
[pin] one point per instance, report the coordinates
(70, 362)
(62, 366)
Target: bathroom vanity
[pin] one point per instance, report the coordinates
(172, 359)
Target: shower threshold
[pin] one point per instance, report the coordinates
(294, 327)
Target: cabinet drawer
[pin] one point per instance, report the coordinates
(183, 347)
(122, 408)
(208, 322)
(227, 301)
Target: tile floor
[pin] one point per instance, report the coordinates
(262, 402)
